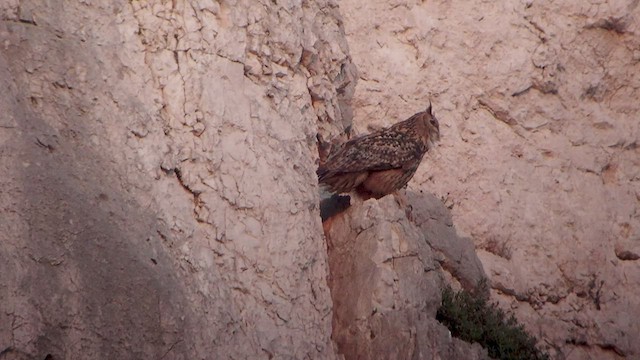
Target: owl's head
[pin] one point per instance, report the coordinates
(432, 125)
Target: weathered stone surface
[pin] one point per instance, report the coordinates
(159, 196)
(539, 157)
(386, 283)
(628, 250)
(456, 254)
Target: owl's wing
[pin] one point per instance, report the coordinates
(375, 152)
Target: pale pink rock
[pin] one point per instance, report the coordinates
(539, 157)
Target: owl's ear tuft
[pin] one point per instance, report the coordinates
(429, 108)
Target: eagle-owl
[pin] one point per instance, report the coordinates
(382, 162)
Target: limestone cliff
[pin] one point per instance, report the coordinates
(539, 157)
(158, 196)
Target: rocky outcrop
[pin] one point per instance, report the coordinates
(386, 280)
(159, 196)
(539, 158)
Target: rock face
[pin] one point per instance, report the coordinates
(159, 196)
(539, 157)
(159, 199)
(386, 281)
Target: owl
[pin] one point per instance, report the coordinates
(382, 162)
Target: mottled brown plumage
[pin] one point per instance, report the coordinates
(382, 162)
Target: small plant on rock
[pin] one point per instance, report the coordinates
(471, 318)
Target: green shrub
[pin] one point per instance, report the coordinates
(472, 319)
